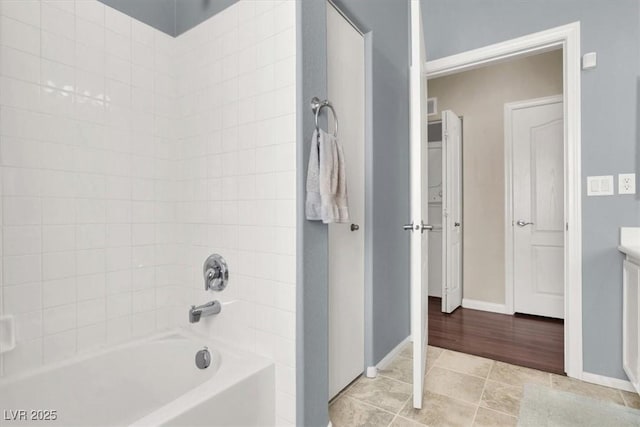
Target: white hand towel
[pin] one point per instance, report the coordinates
(313, 206)
(326, 180)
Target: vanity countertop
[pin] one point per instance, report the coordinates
(631, 251)
(630, 241)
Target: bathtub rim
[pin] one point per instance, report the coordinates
(221, 347)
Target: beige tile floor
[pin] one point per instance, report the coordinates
(460, 390)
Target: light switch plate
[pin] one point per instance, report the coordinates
(627, 183)
(600, 185)
(589, 60)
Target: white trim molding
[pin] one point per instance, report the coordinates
(567, 38)
(386, 361)
(531, 44)
(484, 306)
(607, 381)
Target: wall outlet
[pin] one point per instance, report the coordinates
(627, 183)
(600, 185)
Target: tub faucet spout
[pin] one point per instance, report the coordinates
(208, 309)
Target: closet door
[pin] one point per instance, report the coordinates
(452, 212)
(345, 75)
(537, 133)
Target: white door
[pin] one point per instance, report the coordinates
(538, 207)
(345, 78)
(452, 212)
(436, 254)
(419, 183)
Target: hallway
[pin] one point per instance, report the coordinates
(530, 341)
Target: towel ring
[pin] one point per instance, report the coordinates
(317, 105)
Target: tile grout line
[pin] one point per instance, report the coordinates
(76, 328)
(484, 386)
(103, 56)
(343, 395)
(405, 403)
(462, 373)
(624, 400)
(368, 404)
(400, 410)
(498, 411)
(41, 309)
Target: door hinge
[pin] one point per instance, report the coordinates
(567, 226)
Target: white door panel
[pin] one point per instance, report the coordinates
(419, 183)
(435, 218)
(452, 211)
(345, 78)
(538, 209)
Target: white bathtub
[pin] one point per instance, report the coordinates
(146, 383)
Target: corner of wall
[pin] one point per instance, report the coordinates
(312, 297)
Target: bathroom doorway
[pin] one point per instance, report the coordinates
(511, 257)
(504, 226)
(513, 168)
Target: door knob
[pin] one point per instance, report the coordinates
(355, 227)
(424, 227)
(522, 223)
(408, 227)
(456, 224)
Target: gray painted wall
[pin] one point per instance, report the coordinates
(160, 14)
(190, 13)
(609, 137)
(173, 17)
(312, 340)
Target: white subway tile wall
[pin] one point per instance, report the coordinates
(88, 228)
(236, 105)
(127, 158)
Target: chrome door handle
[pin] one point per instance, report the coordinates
(422, 227)
(355, 227)
(522, 223)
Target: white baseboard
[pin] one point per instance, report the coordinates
(484, 306)
(392, 354)
(608, 381)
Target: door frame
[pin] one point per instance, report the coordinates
(509, 270)
(567, 38)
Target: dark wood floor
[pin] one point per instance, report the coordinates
(531, 341)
